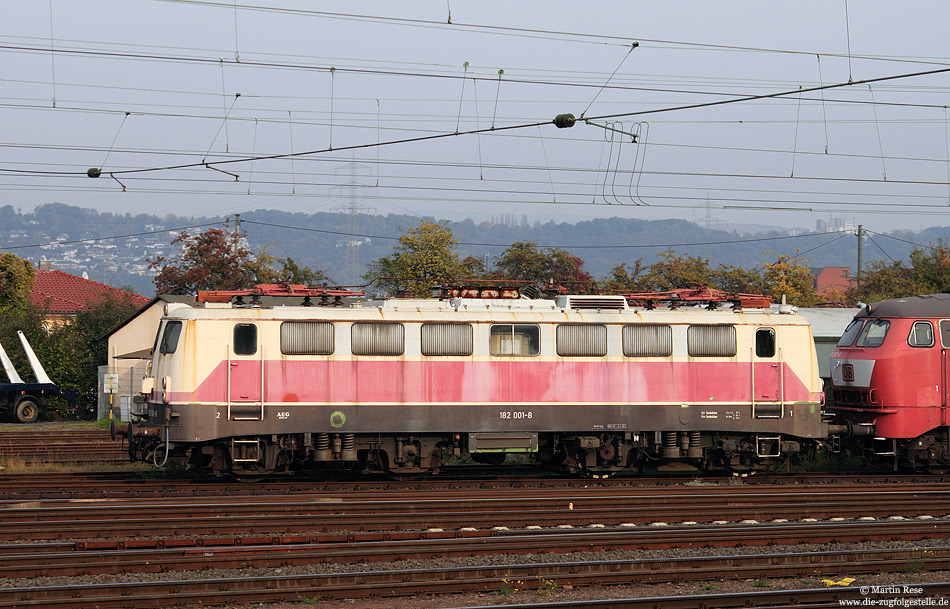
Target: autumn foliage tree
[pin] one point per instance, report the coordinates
(928, 273)
(525, 261)
(789, 276)
(424, 257)
(218, 259)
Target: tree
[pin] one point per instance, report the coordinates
(218, 260)
(525, 261)
(928, 273)
(16, 282)
(623, 280)
(472, 267)
(739, 280)
(674, 272)
(265, 270)
(522, 261)
(425, 257)
(211, 260)
(85, 338)
(790, 277)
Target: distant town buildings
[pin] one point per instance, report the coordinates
(835, 225)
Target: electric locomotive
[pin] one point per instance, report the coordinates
(590, 384)
(891, 381)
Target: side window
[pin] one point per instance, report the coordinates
(447, 339)
(647, 340)
(306, 338)
(515, 340)
(873, 333)
(921, 334)
(245, 339)
(945, 333)
(851, 333)
(170, 337)
(765, 342)
(582, 340)
(373, 338)
(711, 341)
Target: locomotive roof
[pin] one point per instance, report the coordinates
(458, 309)
(929, 305)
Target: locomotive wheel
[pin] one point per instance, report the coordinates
(27, 410)
(130, 437)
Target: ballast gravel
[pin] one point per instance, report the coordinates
(527, 590)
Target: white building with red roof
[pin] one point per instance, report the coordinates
(63, 295)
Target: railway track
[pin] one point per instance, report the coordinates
(57, 445)
(118, 484)
(412, 510)
(369, 583)
(158, 556)
(236, 543)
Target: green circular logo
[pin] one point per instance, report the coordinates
(337, 419)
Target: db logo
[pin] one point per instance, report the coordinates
(847, 373)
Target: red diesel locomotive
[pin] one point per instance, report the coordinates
(891, 377)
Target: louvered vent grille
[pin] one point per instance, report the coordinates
(306, 338)
(711, 341)
(647, 340)
(605, 302)
(586, 340)
(378, 339)
(447, 339)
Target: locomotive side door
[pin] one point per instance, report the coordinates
(944, 326)
(245, 375)
(766, 376)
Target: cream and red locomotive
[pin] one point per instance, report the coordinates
(891, 380)
(593, 384)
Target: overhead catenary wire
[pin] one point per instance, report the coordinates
(529, 125)
(598, 38)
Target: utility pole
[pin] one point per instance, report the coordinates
(860, 254)
(237, 232)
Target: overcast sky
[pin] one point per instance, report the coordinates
(135, 86)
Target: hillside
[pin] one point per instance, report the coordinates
(114, 249)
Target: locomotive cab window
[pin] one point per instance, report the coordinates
(851, 333)
(945, 333)
(765, 342)
(170, 337)
(873, 333)
(245, 339)
(921, 334)
(711, 341)
(647, 340)
(582, 340)
(515, 340)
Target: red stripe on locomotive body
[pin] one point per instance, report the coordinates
(447, 382)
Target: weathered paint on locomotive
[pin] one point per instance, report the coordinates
(204, 391)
